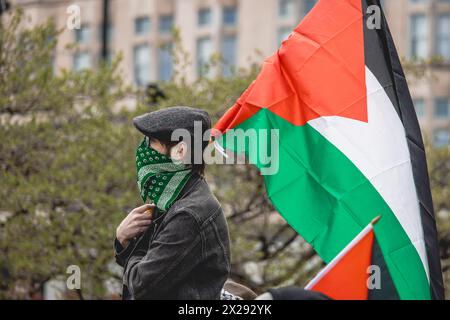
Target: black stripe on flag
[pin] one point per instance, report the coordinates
(386, 289)
(382, 59)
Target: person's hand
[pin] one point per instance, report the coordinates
(134, 224)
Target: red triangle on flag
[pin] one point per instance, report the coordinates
(346, 276)
(318, 71)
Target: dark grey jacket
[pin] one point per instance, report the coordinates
(184, 254)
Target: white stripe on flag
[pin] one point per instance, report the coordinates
(379, 150)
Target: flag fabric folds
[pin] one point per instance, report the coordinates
(350, 146)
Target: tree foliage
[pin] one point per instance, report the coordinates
(65, 163)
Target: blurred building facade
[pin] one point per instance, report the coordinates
(242, 32)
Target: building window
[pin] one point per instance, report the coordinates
(165, 67)
(204, 52)
(443, 36)
(53, 63)
(228, 49)
(283, 34)
(419, 105)
(419, 36)
(441, 137)
(286, 9)
(308, 5)
(229, 16)
(83, 35)
(441, 108)
(165, 23)
(110, 56)
(204, 17)
(142, 26)
(109, 33)
(141, 61)
(81, 61)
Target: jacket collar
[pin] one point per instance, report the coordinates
(193, 180)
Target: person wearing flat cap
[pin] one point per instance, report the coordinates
(176, 245)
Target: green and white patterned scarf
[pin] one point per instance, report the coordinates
(159, 178)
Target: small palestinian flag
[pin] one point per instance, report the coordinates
(352, 274)
(349, 144)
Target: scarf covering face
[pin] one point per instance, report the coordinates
(158, 177)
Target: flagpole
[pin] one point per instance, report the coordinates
(344, 251)
(220, 149)
(375, 220)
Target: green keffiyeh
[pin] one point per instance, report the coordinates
(159, 178)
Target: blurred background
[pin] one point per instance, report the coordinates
(74, 73)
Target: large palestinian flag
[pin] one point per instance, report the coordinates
(350, 146)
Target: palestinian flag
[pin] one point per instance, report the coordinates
(346, 276)
(350, 146)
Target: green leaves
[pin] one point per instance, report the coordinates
(67, 171)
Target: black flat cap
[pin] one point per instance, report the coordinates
(169, 119)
